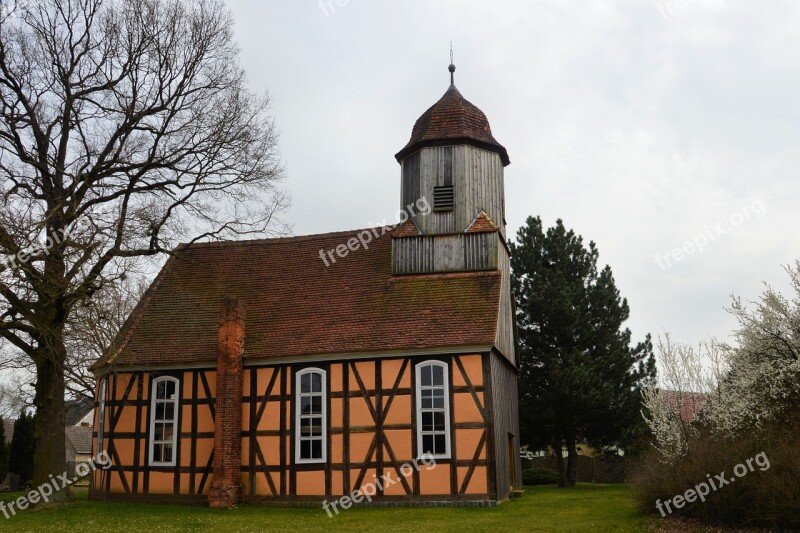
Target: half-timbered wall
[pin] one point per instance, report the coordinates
(371, 431)
(126, 437)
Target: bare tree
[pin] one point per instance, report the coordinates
(125, 127)
(94, 328)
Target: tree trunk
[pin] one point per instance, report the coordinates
(572, 461)
(562, 472)
(50, 419)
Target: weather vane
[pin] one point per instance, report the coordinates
(452, 67)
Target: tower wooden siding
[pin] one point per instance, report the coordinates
(463, 252)
(477, 179)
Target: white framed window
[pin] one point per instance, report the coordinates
(433, 409)
(311, 417)
(101, 415)
(164, 421)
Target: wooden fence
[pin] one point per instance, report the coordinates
(600, 469)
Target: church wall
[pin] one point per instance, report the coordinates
(371, 432)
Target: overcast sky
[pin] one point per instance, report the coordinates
(644, 125)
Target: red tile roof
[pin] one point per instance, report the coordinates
(297, 306)
(686, 404)
(452, 120)
(482, 224)
(408, 228)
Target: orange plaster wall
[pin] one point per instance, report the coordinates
(161, 482)
(360, 415)
(478, 481)
(336, 414)
(366, 370)
(435, 481)
(335, 372)
(400, 410)
(359, 445)
(116, 481)
(337, 448)
(473, 366)
(400, 441)
(270, 448)
(390, 368)
(311, 483)
(467, 443)
(464, 408)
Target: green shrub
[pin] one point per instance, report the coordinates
(763, 497)
(539, 476)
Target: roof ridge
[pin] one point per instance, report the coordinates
(276, 240)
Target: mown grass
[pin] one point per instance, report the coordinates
(584, 508)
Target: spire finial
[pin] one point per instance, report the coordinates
(452, 67)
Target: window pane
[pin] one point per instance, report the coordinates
(161, 390)
(157, 452)
(427, 402)
(305, 449)
(438, 399)
(168, 431)
(438, 375)
(438, 421)
(439, 444)
(305, 383)
(425, 374)
(427, 421)
(159, 432)
(167, 456)
(316, 449)
(316, 426)
(170, 389)
(316, 382)
(305, 405)
(160, 410)
(169, 411)
(305, 427)
(427, 444)
(316, 405)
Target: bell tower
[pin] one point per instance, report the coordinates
(454, 163)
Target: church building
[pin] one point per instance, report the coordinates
(281, 371)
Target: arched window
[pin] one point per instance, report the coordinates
(101, 415)
(433, 411)
(164, 421)
(310, 416)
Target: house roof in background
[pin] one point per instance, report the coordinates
(80, 437)
(77, 410)
(687, 404)
(295, 305)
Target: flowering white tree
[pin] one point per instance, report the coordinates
(688, 377)
(744, 385)
(763, 384)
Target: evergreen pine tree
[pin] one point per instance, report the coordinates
(580, 379)
(3, 452)
(23, 445)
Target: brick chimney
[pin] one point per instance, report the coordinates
(226, 488)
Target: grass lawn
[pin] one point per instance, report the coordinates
(585, 508)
